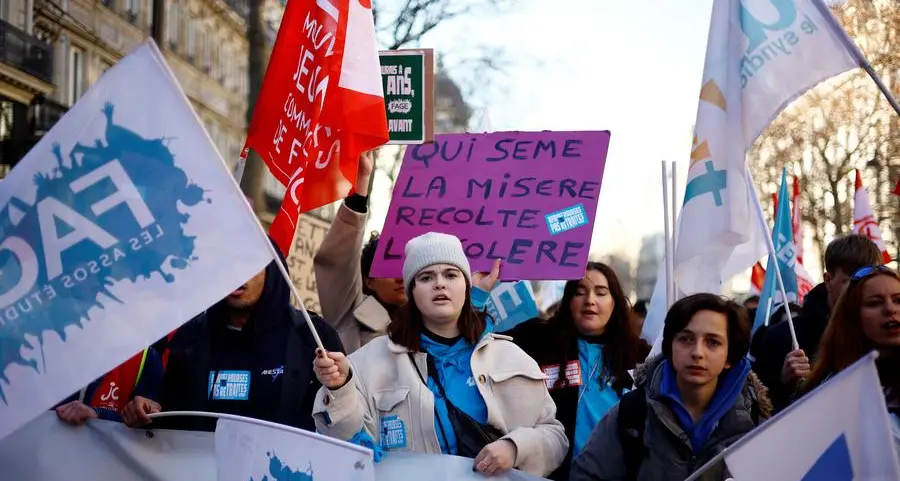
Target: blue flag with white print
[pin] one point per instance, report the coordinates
(510, 304)
(783, 238)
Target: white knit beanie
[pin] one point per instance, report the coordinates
(430, 249)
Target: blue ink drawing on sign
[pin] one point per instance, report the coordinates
(566, 219)
(510, 304)
(282, 472)
(710, 182)
(108, 213)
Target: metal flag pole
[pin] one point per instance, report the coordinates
(670, 250)
(761, 217)
(265, 424)
(674, 207)
(281, 268)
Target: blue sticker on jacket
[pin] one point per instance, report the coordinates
(566, 219)
(393, 432)
(229, 385)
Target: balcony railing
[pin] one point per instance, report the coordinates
(46, 114)
(25, 52)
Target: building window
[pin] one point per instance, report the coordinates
(225, 60)
(6, 119)
(76, 74)
(206, 56)
(232, 71)
(103, 67)
(4, 10)
(132, 10)
(216, 59)
(191, 41)
(173, 26)
(242, 78)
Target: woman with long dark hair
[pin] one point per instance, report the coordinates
(586, 350)
(866, 317)
(440, 382)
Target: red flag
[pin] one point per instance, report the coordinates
(757, 278)
(796, 221)
(864, 221)
(321, 105)
(896, 190)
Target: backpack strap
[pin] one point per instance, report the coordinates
(631, 420)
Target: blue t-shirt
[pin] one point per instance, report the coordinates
(595, 399)
(453, 363)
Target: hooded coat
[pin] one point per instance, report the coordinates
(668, 451)
(275, 350)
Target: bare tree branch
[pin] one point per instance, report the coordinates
(416, 18)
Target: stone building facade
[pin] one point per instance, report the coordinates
(55, 50)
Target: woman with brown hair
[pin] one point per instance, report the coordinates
(866, 317)
(586, 350)
(358, 306)
(440, 382)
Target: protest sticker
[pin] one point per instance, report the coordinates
(528, 198)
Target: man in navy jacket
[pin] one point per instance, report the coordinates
(251, 354)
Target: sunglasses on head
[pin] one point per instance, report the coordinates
(868, 271)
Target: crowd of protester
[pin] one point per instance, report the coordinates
(415, 364)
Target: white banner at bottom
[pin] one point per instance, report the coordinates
(49, 450)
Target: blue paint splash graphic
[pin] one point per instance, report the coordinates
(282, 472)
(58, 300)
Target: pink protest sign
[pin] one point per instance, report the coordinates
(529, 198)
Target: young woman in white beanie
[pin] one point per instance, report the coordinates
(360, 307)
(440, 382)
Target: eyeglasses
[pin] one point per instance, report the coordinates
(868, 271)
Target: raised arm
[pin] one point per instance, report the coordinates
(337, 263)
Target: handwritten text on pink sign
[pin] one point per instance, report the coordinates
(528, 198)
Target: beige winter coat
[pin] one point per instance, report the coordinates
(384, 383)
(340, 283)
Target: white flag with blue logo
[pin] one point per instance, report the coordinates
(760, 56)
(783, 238)
(839, 432)
(121, 224)
(259, 451)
